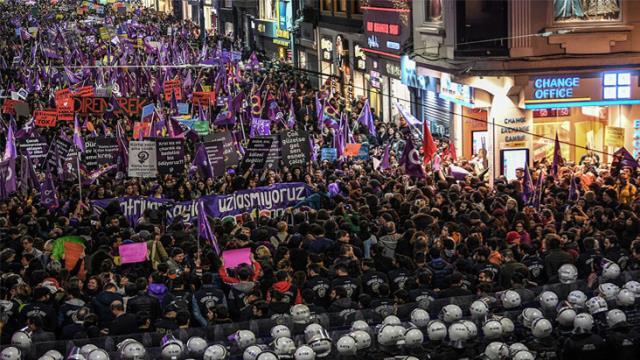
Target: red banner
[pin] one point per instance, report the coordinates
(204, 98)
(141, 129)
(85, 91)
(99, 105)
(7, 107)
(172, 86)
(46, 118)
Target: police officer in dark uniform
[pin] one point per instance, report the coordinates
(623, 341)
(319, 285)
(343, 280)
(583, 344)
(207, 297)
(372, 278)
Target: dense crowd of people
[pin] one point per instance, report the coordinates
(371, 243)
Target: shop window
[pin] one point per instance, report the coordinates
(433, 10)
(616, 86)
(586, 10)
(268, 10)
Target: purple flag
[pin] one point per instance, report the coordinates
(410, 159)
(77, 135)
(204, 228)
(26, 130)
(225, 118)
(537, 195)
(10, 146)
(557, 158)
(260, 127)
(384, 165)
(621, 159)
(48, 193)
(528, 189)
(291, 121)
(201, 161)
(366, 118)
(319, 112)
(7, 177)
(573, 189)
(28, 177)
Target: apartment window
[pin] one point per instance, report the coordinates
(356, 7)
(340, 6)
(617, 85)
(433, 10)
(268, 10)
(325, 5)
(482, 27)
(586, 10)
(228, 3)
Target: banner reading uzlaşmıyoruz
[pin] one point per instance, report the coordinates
(278, 196)
(275, 197)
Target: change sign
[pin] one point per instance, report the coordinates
(170, 155)
(142, 159)
(295, 149)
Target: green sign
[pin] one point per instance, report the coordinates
(201, 127)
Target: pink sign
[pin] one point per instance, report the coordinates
(233, 258)
(133, 253)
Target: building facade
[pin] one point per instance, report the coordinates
(507, 76)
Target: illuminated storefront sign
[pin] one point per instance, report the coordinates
(326, 46)
(595, 89)
(360, 57)
(455, 92)
(636, 138)
(555, 88)
(410, 77)
(387, 25)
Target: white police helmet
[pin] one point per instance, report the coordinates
(389, 335)
(98, 354)
(360, 325)
(300, 313)
(284, 347)
(267, 355)
(596, 305)
(420, 318)
(610, 270)
(507, 325)
(21, 339)
(196, 346)
(450, 313)
(510, 299)
(304, 352)
(346, 345)
(492, 329)
(312, 331)
(413, 337)
(279, 331)
(216, 352)
(565, 316)
(318, 339)
(523, 355)
(391, 320)
(577, 298)
(568, 274)
(244, 339)
(172, 349)
(496, 351)
(76, 356)
(625, 297)
(634, 286)
(479, 309)
(252, 352)
(458, 332)
(11, 353)
(608, 291)
(471, 326)
(363, 339)
(541, 328)
(515, 347)
(132, 350)
(583, 323)
(548, 300)
(528, 315)
(86, 349)
(615, 317)
(54, 355)
(436, 330)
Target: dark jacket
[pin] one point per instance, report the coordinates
(552, 262)
(584, 347)
(123, 324)
(623, 342)
(144, 302)
(102, 305)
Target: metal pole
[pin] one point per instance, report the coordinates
(79, 177)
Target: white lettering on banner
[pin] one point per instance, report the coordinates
(264, 199)
(393, 45)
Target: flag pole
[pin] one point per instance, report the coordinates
(79, 177)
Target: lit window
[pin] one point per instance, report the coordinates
(616, 86)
